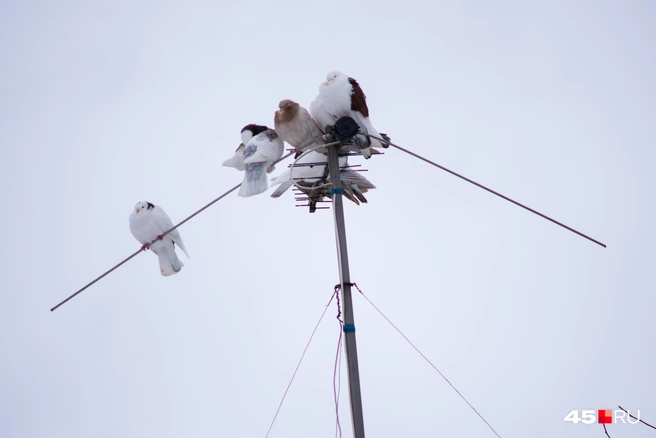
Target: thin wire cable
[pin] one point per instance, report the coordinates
(426, 359)
(299, 364)
(337, 371)
(643, 422)
(519, 204)
(605, 430)
(337, 384)
(164, 234)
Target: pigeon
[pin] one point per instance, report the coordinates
(261, 148)
(342, 96)
(147, 223)
(294, 125)
(237, 161)
(311, 174)
(311, 168)
(354, 185)
(322, 118)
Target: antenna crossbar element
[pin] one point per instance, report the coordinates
(307, 164)
(347, 302)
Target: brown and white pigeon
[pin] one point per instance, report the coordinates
(295, 125)
(342, 96)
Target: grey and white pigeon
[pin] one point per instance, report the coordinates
(310, 168)
(261, 148)
(148, 222)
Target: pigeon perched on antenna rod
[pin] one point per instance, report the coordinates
(295, 126)
(311, 168)
(148, 223)
(342, 96)
(260, 148)
(311, 176)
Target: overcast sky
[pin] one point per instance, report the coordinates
(104, 104)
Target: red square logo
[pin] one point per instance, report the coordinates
(605, 416)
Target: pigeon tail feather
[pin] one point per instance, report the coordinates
(178, 242)
(367, 153)
(367, 128)
(255, 180)
(282, 189)
(169, 263)
(235, 162)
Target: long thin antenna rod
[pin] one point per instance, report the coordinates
(96, 280)
(490, 190)
(164, 234)
(347, 301)
(139, 250)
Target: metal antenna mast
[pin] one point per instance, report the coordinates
(345, 282)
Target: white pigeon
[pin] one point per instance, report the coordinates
(147, 223)
(310, 168)
(261, 148)
(295, 126)
(354, 185)
(341, 96)
(321, 117)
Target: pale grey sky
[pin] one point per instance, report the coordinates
(105, 104)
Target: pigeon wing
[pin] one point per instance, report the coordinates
(264, 147)
(164, 223)
(237, 160)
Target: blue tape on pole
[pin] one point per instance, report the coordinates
(349, 328)
(335, 191)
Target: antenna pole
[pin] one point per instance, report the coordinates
(347, 303)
